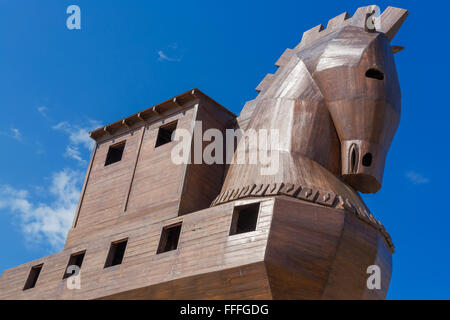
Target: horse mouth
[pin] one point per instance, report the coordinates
(363, 182)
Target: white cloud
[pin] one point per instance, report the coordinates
(164, 57)
(417, 178)
(78, 137)
(42, 110)
(74, 153)
(76, 134)
(15, 134)
(48, 221)
(41, 222)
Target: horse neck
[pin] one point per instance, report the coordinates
(294, 105)
(314, 135)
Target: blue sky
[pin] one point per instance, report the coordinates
(57, 84)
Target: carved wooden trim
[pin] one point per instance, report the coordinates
(305, 193)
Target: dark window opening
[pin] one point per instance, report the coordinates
(367, 160)
(116, 253)
(244, 218)
(375, 74)
(74, 260)
(115, 153)
(169, 238)
(165, 133)
(33, 277)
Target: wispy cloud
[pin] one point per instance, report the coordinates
(416, 178)
(171, 53)
(74, 153)
(12, 133)
(77, 135)
(78, 138)
(40, 150)
(41, 222)
(43, 111)
(164, 57)
(47, 220)
(16, 134)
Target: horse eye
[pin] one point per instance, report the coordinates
(375, 74)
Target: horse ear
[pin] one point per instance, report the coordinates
(396, 49)
(391, 20)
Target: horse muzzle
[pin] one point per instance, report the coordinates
(362, 165)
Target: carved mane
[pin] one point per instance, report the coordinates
(389, 23)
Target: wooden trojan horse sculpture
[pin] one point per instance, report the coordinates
(291, 228)
(335, 101)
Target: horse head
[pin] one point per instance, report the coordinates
(356, 74)
(335, 101)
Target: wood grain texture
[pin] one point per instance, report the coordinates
(248, 282)
(299, 250)
(204, 247)
(146, 181)
(335, 102)
(314, 252)
(325, 106)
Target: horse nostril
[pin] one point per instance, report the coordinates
(367, 160)
(353, 158)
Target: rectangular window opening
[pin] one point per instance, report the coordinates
(244, 218)
(115, 153)
(33, 277)
(169, 238)
(75, 259)
(165, 133)
(116, 253)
